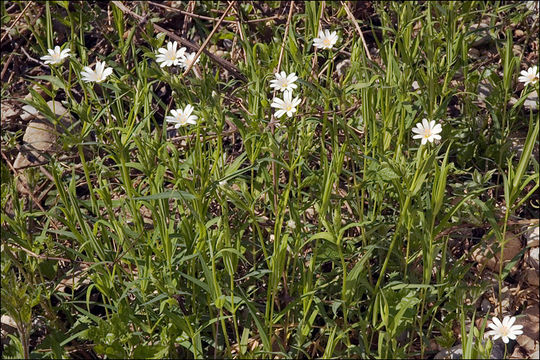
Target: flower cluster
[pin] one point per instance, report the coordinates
(172, 56)
(57, 56)
(285, 83)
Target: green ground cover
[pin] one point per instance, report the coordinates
(322, 230)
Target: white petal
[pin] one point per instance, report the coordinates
(497, 322)
(188, 110)
(277, 102)
(417, 136)
(107, 72)
(516, 327)
(436, 129)
(417, 130)
(424, 141)
(279, 113)
(436, 137)
(425, 123)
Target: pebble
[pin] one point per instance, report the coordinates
(497, 352)
(489, 257)
(481, 34)
(532, 236)
(530, 103)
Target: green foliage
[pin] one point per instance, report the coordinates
(321, 235)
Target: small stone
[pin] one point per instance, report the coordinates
(480, 34)
(343, 66)
(29, 112)
(518, 33)
(516, 49)
(532, 236)
(8, 326)
(485, 306)
(531, 276)
(455, 352)
(227, 43)
(7, 112)
(474, 53)
(531, 103)
(487, 256)
(529, 338)
(532, 257)
(484, 89)
(39, 138)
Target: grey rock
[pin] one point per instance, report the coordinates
(532, 258)
(455, 352)
(497, 352)
(485, 306)
(530, 103)
(484, 89)
(40, 138)
(481, 34)
(343, 66)
(532, 236)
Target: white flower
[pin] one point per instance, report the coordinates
(170, 56)
(284, 82)
(505, 330)
(182, 117)
(427, 131)
(291, 224)
(99, 75)
(530, 76)
(325, 40)
(188, 59)
(287, 105)
(56, 56)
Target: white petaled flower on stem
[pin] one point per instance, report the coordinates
(505, 329)
(56, 56)
(284, 82)
(427, 131)
(100, 74)
(287, 105)
(171, 55)
(529, 76)
(326, 39)
(182, 117)
(188, 59)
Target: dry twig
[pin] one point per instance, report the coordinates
(205, 43)
(353, 20)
